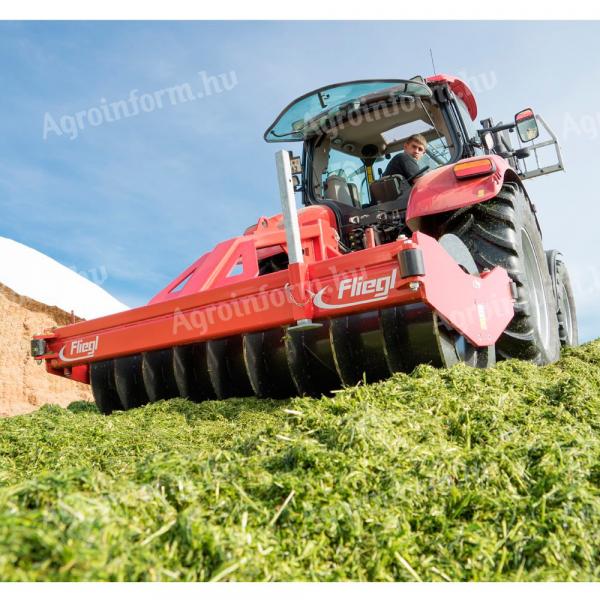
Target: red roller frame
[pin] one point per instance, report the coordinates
(480, 308)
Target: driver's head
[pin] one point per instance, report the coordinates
(415, 145)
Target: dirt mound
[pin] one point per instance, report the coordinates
(24, 384)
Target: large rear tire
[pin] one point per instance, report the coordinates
(504, 232)
(565, 299)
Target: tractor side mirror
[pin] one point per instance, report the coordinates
(296, 167)
(296, 164)
(527, 126)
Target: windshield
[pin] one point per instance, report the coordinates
(303, 117)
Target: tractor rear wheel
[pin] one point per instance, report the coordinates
(565, 300)
(504, 232)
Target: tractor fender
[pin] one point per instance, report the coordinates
(440, 191)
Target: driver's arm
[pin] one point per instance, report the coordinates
(402, 164)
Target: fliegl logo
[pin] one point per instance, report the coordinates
(357, 290)
(79, 349)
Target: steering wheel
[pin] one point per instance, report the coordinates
(420, 172)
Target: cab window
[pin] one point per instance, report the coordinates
(352, 170)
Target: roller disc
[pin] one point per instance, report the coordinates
(357, 342)
(191, 372)
(129, 381)
(226, 368)
(103, 386)
(409, 337)
(310, 360)
(267, 365)
(455, 348)
(157, 372)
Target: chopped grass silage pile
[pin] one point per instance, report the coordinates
(441, 475)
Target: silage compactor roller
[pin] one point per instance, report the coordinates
(376, 273)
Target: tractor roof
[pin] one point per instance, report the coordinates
(309, 113)
(306, 115)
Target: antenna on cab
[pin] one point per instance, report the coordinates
(432, 63)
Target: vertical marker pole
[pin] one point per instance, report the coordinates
(288, 207)
(297, 268)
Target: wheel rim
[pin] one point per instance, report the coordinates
(538, 294)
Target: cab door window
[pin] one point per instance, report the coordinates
(341, 168)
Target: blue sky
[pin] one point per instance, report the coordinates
(132, 202)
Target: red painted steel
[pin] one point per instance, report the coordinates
(460, 89)
(319, 237)
(440, 191)
(478, 308)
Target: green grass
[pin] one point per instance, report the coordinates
(441, 475)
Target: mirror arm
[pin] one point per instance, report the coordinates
(497, 128)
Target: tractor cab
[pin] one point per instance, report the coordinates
(351, 131)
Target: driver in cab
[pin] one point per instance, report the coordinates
(407, 163)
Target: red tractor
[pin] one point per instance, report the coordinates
(377, 273)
